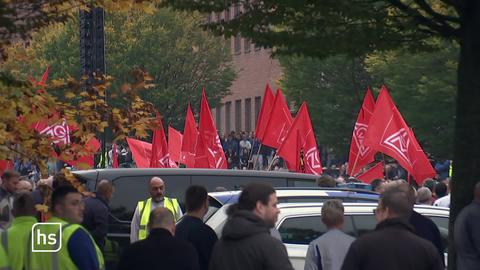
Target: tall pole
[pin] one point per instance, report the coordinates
(92, 54)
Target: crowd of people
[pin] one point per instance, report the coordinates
(402, 239)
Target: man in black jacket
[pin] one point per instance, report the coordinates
(160, 250)
(192, 228)
(246, 242)
(392, 245)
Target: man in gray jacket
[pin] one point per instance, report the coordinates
(467, 234)
(246, 242)
(328, 251)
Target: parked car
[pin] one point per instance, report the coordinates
(300, 223)
(131, 186)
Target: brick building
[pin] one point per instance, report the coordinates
(254, 68)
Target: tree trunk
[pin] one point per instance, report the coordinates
(466, 163)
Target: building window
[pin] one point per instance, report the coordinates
(237, 44)
(219, 16)
(218, 117)
(248, 114)
(258, 47)
(246, 45)
(238, 115)
(258, 104)
(228, 110)
(236, 10)
(227, 14)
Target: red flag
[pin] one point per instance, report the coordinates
(299, 149)
(85, 161)
(388, 133)
(201, 155)
(59, 131)
(114, 156)
(5, 165)
(174, 143)
(190, 134)
(361, 155)
(375, 172)
(209, 134)
(279, 122)
(422, 168)
(267, 104)
(141, 152)
(43, 80)
(160, 157)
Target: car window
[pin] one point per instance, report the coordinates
(234, 182)
(364, 224)
(301, 183)
(303, 230)
(130, 190)
(442, 224)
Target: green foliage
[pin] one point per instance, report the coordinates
(333, 88)
(423, 86)
(180, 57)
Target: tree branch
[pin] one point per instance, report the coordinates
(439, 17)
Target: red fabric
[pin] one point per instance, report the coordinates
(279, 122)
(5, 165)
(174, 144)
(299, 149)
(264, 115)
(201, 156)
(160, 157)
(190, 135)
(43, 80)
(422, 168)
(375, 172)
(59, 131)
(361, 155)
(114, 156)
(208, 133)
(85, 161)
(141, 152)
(388, 133)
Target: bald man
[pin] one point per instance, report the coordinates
(138, 229)
(95, 217)
(160, 250)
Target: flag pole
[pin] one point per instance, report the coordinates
(256, 159)
(271, 163)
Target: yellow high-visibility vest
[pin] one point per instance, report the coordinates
(145, 207)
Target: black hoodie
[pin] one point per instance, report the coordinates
(246, 244)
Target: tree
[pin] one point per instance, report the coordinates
(333, 88)
(180, 57)
(323, 28)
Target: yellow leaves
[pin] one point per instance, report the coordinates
(41, 208)
(70, 95)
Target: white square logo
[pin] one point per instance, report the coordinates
(47, 237)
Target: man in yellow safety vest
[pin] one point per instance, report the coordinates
(138, 230)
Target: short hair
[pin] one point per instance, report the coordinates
(430, 184)
(23, 205)
(59, 179)
(376, 183)
(7, 175)
(404, 187)
(253, 193)
(60, 193)
(326, 181)
(104, 186)
(332, 212)
(161, 218)
(441, 190)
(424, 195)
(195, 197)
(397, 201)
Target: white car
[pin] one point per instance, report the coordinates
(300, 223)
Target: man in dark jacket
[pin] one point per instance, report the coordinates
(160, 250)
(246, 242)
(95, 218)
(392, 245)
(192, 228)
(467, 234)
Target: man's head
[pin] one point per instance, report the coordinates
(105, 189)
(10, 181)
(376, 184)
(430, 184)
(59, 179)
(261, 200)
(441, 190)
(23, 205)
(332, 214)
(394, 203)
(424, 196)
(326, 181)
(196, 200)
(476, 192)
(67, 204)
(161, 218)
(157, 189)
(24, 186)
